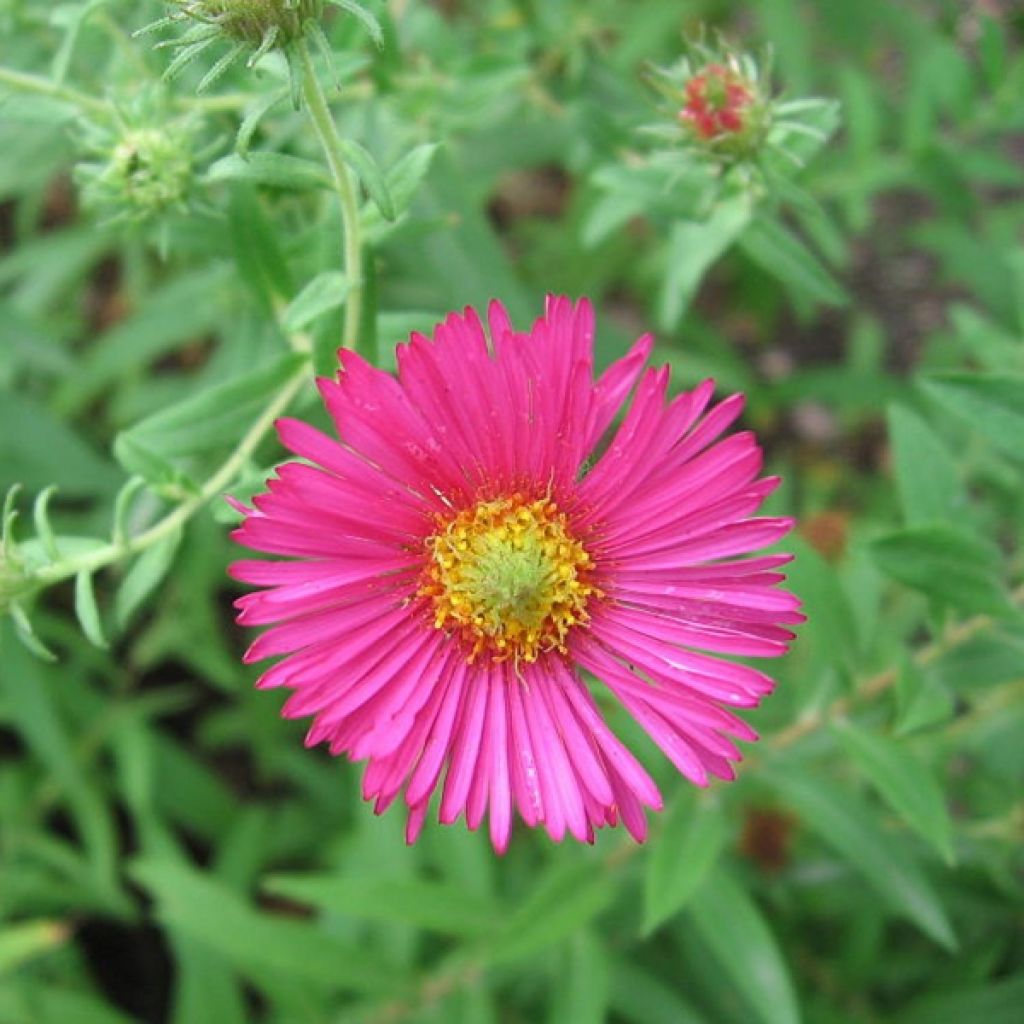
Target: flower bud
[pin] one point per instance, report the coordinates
(141, 173)
(253, 22)
(726, 109)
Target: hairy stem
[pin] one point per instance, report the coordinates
(327, 133)
(116, 551)
(44, 87)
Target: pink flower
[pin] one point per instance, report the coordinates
(468, 549)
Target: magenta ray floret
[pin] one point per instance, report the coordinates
(467, 548)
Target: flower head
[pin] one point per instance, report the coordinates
(251, 28)
(469, 547)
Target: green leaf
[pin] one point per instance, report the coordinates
(903, 782)
(405, 177)
(998, 1002)
(259, 944)
(365, 17)
(693, 837)
(277, 170)
(41, 520)
(692, 247)
(732, 926)
(926, 476)
(145, 576)
(843, 822)
(37, 448)
(86, 610)
(370, 174)
(582, 986)
(325, 292)
(642, 997)
(259, 109)
(26, 633)
(23, 942)
(261, 263)
(168, 317)
(778, 251)
(565, 899)
(210, 420)
(992, 403)
(947, 564)
(921, 699)
(435, 906)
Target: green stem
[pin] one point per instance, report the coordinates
(327, 133)
(44, 87)
(116, 551)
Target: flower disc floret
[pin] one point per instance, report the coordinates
(509, 576)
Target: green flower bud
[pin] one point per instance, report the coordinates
(252, 21)
(252, 28)
(140, 173)
(147, 172)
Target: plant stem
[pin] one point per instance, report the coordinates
(116, 551)
(44, 87)
(957, 634)
(327, 133)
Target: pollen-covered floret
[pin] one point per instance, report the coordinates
(509, 575)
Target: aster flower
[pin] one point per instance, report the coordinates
(467, 550)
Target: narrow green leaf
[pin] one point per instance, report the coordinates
(203, 422)
(144, 577)
(732, 926)
(998, 1002)
(778, 251)
(565, 899)
(86, 610)
(693, 246)
(926, 476)
(992, 403)
(405, 177)
(903, 782)
(582, 988)
(325, 292)
(257, 943)
(27, 634)
(254, 115)
(921, 699)
(365, 17)
(261, 263)
(370, 174)
(436, 906)
(947, 564)
(642, 997)
(20, 943)
(123, 507)
(41, 519)
(277, 170)
(842, 822)
(691, 842)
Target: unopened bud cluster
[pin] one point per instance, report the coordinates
(724, 107)
(140, 173)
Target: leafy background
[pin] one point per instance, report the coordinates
(170, 852)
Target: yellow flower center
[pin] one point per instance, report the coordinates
(509, 576)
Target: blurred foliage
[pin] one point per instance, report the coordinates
(169, 851)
